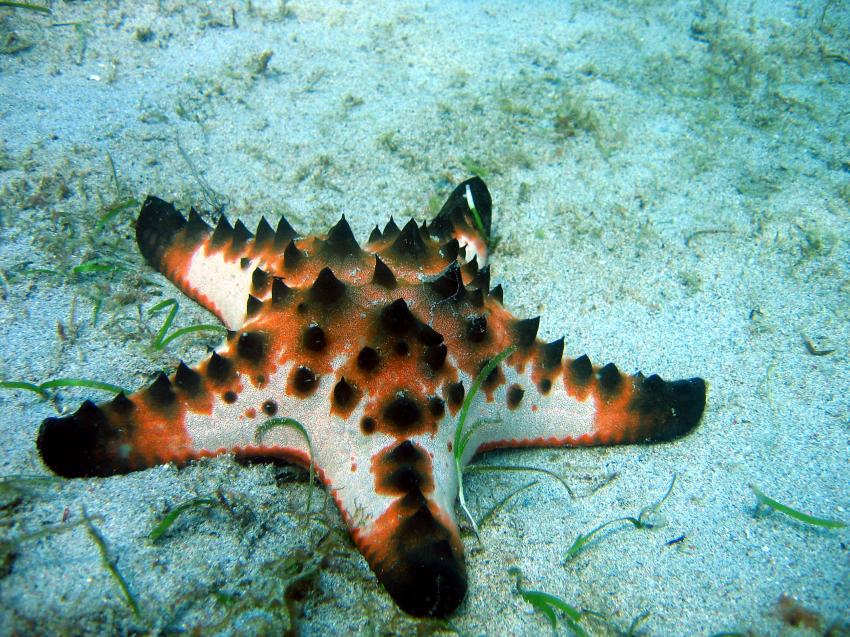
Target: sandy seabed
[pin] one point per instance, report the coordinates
(671, 187)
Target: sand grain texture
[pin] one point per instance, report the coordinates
(671, 190)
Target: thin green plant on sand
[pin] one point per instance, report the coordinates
(486, 468)
(492, 511)
(109, 563)
(26, 5)
(642, 521)
(171, 517)
(770, 503)
(42, 389)
(463, 435)
(272, 423)
(89, 270)
(550, 605)
(163, 338)
(112, 210)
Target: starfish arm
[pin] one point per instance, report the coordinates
(573, 403)
(221, 269)
(467, 217)
(189, 415)
(400, 510)
(395, 495)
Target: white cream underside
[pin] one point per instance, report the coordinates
(224, 282)
(345, 454)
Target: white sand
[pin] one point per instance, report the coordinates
(610, 133)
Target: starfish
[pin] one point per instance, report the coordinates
(373, 350)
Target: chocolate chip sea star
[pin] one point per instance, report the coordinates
(372, 349)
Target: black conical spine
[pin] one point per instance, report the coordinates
(391, 229)
(340, 242)
(122, 404)
(609, 379)
(327, 288)
(343, 393)
(222, 233)
(160, 390)
(187, 379)
(252, 346)
(581, 369)
(292, 256)
(264, 235)
(259, 281)
(219, 368)
(253, 306)
(280, 291)
(498, 293)
(526, 331)
(449, 285)
(196, 229)
(551, 354)
(397, 318)
(241, 235)
(436, 356)
(409, 243)
(383, 276)
(284, 233)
